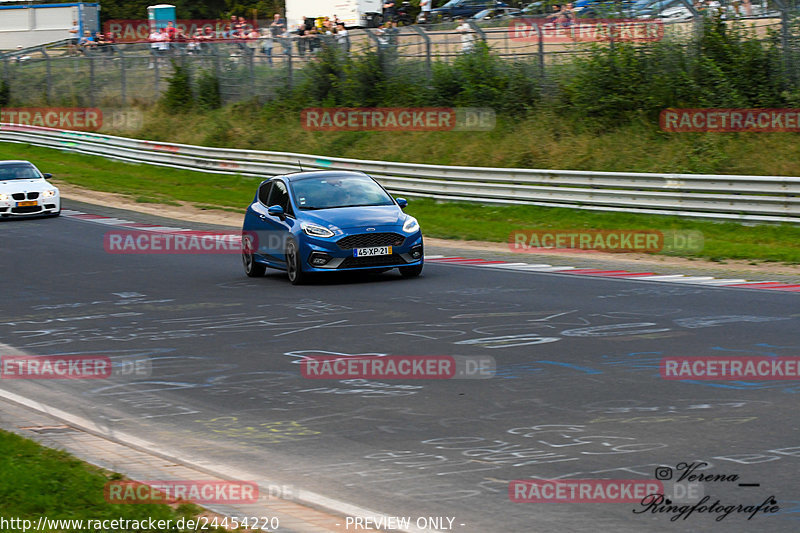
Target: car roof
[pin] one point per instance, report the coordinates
(297, 176)
(14, 162)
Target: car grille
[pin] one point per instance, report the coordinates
(26, 209)
(21, 195)
(373, 261)
(368, 240)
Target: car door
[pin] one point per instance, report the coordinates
(256, 224)
(278, 228)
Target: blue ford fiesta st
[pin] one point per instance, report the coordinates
(326, 221)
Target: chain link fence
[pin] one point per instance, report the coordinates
(121, 75)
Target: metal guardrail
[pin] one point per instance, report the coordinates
(724, 197)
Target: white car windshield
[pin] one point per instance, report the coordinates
(18, 171)
(344, 191)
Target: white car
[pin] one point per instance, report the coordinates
(25, 191)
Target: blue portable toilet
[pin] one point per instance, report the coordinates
(159, 15)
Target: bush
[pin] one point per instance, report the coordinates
(208, 95)
(178, 97)
(5, 93)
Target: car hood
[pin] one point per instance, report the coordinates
(8, 186)
(357, 217)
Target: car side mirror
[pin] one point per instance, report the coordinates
(47, 176)
(276, 211)
(402, 202)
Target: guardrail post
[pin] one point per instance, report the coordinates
(427, 40)
(48, 70)
(123, 85)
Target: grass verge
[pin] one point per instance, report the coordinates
(37, 481)
(780, 243)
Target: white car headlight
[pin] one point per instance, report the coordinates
(49, 193)
(315, 230)
(411, 225)
(3, 197)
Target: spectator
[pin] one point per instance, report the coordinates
(100, 42)
(554, 15)
(87, 42)
(252, 41)
(159, 44)
(278, 25)
(467, 37)
(568, 15)
(748, 8)
(193, 46)
(302, 40)
(425, 14)
(74, 37)
(313, 41)
(267, 44)
(389, 10)
(343, 38)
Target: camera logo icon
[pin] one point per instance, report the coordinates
(663, 473)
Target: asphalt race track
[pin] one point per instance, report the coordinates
(577, 392)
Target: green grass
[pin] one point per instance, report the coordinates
(37, 481)
(766, 242)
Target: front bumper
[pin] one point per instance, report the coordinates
(325, 255)
(43, 206)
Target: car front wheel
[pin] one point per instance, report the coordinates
(411, 272)
(293, 269)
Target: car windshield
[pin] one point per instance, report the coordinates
(338, 191)
(18, 171)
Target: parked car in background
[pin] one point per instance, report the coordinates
(463, 8)
(496, 13)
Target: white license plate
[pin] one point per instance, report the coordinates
(368, 252)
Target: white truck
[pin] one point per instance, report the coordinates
(353, 13)
(25, 25)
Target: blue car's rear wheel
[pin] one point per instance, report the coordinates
(251, 267)
(293, 268)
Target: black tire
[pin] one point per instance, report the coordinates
(411, 272)
(293, 269)
(251, 267)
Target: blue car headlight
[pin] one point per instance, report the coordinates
(315, 230)
(411, 225)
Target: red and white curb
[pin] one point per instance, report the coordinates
(708, 281)
(111, 221)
